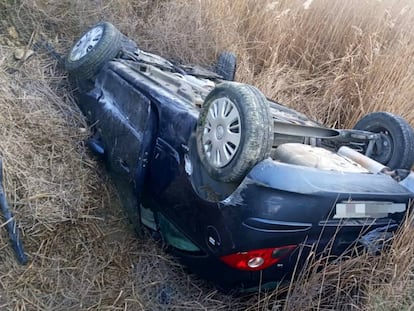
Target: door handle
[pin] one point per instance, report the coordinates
(124, 165)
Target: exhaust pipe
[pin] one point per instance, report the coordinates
(368, 163)
(404, 179)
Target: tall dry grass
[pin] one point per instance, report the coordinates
(335, 61)
(331, 59)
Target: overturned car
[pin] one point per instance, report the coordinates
(240, 187)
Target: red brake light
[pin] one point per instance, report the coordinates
(258, 259)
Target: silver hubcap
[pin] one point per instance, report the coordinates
(222, 132)
(86, 43)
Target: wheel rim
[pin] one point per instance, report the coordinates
(85, 44)
(222, 132)
(384, 148)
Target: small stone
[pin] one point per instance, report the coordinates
(7, 42)
(13, 33)
(22, 54)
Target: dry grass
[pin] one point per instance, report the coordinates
(365, 282)
(332, 60)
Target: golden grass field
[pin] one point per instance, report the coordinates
(333, 60)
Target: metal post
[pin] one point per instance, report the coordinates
(10, 223)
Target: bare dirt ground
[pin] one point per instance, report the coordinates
(331, 60)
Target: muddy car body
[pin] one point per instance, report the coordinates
(305, 189)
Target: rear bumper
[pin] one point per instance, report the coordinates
(327, 246)
(294, 197)
(279, 204)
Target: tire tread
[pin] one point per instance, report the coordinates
(105, 50)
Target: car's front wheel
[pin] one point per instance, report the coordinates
(234, 131)
(97, 46)
(395, 148)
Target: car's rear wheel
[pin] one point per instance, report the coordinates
(234, 131)
(97, 46)
(226, 65)
(395, 149)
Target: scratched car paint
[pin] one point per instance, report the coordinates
(240, 187)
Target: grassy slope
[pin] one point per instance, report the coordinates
(333, 61)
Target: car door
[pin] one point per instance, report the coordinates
(124, 126)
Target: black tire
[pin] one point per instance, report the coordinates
(256, 131)
(108, 47)
(226, 65)
(397, 150)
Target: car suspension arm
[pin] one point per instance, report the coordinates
(361, 141)
(10, 223)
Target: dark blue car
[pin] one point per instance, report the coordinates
(240, 187)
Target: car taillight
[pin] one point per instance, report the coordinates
(258, 259)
